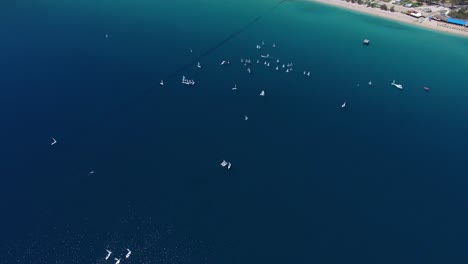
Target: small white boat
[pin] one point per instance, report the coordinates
(274, 45)
(222, 63)
(223, 163)
(399, 86)
(248, 69)
(370, 83)
(262, 93)
(191, 50)
(107, 35)
(308, 73)
(162, 82)
(290, 69)
(235, 87)
(129, 252)
(265, 56)
(109, 253)
(198, 65)
(229, 166)
(343, 105)
(265, 63)
(263, 43)
(268, 64)
(283, 66)
(277, 68)
(287, 70)
(246, 118)
(53, 142)
(242, 60)
(277, 60)
(258, 61)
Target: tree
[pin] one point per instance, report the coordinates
(392, 9)
(384, 7)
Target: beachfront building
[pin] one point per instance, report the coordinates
(457, 22)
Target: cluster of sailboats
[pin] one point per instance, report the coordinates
(187, 81)
(226, 164)
(117, 260)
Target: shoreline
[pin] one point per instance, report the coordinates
(397, 16)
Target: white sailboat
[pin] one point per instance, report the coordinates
(262, 93)
(343, 105)
(235, 87)
(370, 83)
(229, 166)
(109, 253)
(223, 163)
(246, 118)
(53, 142)
(399, 86)
(162, 82)
(198, 65)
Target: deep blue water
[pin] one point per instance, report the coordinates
(381, 181)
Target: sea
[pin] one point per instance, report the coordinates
(136, 165)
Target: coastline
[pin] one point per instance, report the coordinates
(397, 16)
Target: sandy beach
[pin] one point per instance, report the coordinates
(398, 16)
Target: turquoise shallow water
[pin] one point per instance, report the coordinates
(381, 181)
